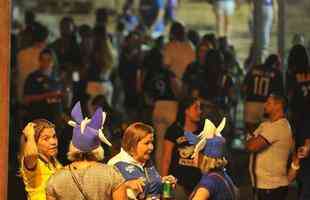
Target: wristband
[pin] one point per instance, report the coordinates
(295, 167)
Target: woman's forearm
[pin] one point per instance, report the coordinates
(166, 159)
(30, 153)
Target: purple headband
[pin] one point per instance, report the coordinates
(210, 140)
(87, 133)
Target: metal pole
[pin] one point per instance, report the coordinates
(257, 15)
(4, 94)
(281, 29)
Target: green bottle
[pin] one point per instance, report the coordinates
(167, 190)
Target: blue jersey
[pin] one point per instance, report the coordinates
(219, 185)
(153, 183)
(261, 81)
(39, 83)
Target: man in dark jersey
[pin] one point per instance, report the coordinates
(259, 83)
(159, 94)
(42, 92)
(298, 86)
(298, 89)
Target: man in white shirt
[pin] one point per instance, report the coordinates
(270, 145)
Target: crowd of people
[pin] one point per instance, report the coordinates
(164, 107)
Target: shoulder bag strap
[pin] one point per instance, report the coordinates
(77, 183)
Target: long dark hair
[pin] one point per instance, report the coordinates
(214, 64)
(177, 31)
(183, 105)
(298, 58)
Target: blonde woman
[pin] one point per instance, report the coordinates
(210, 149)
(38, 157)
(85, 177)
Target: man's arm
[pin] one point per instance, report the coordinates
(119, 193)
(39, 97)
(307, 146)
(294, 168)
(257, 143)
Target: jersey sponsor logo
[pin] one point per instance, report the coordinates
(40, 79)
(53, 100)
(303, 77)
(181, 139)
(187, 162)
(305, 90)
(130, 169)
(304, 80)
(186, 152)
(263, 73)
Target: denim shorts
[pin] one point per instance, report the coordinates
(226, 8)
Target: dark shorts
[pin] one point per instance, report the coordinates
(272, 194)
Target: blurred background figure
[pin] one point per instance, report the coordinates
(26, 35)
(128, 17)
(259, 83)
(28, 58)
(223, 10)
(43, 93)
(170, 11)
(66, 48)
(152, 14)
(269, 12)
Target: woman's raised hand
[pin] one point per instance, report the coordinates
(29, 131)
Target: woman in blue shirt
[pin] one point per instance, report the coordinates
(209, 150)
(134, 162)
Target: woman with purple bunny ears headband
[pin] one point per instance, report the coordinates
(86, 178)
(87, 134)
(209, 151)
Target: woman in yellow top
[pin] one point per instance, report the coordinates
(38, 157)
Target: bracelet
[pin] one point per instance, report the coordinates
(295, 167)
